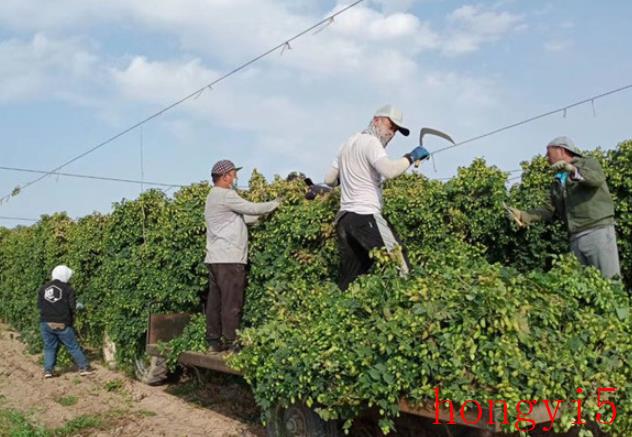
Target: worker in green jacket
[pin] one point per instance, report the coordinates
(580, 197)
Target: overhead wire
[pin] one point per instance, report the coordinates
(458, 144)
(285, 44)
(85, 176)
(19, 219)
(504, 171)
(563, 110)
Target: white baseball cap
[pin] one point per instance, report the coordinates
(62, 273)
(395, 115)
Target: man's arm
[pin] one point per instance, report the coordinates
(332, 176)
(242, 206)
(546, 212)
(590, 172)
(389, 169)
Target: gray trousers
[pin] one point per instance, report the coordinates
(598, 247)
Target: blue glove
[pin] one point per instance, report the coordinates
(419, 153)
(562, 177)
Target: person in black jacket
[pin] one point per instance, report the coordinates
(57, 305)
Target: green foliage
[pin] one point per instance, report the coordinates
(193, 338)
(489, 309)
(618, 165)
(78, 425)
(15, 424)
(477, 330)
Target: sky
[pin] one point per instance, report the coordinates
(74, 73)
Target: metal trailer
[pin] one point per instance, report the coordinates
(298, 420)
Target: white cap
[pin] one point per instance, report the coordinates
(395, 115)
(62, 273)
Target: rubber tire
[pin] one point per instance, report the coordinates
(299, 421)
(151, 370)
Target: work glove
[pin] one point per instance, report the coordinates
(80, 306)
(419, 153)
(562, 165)
(561, 176)
(516, 215)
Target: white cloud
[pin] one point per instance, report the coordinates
(290, 105)
(53, 17)
(42, 67)
(390, 6)
(471, 26)
(558, 45)
(161, 82)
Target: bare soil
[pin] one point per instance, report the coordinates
(202, 406)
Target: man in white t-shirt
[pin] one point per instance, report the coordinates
(359, 168)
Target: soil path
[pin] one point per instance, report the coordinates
(126, 407)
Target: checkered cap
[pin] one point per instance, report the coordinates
(222, 167)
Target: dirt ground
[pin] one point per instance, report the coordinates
(124, 407)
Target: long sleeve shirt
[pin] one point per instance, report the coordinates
(226, 215)
(56, 302)
(360, 166)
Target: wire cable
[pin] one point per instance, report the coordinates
(19, 219)
(536, 117)
(516, 170)
(195, 94)
(84, 176)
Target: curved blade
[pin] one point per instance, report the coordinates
(438, 133)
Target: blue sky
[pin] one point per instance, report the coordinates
(75, 72)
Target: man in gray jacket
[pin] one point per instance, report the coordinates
(579, 196)
(226, 215)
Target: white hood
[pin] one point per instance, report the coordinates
(62, 273)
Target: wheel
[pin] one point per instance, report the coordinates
(151, 370)
(299, 421)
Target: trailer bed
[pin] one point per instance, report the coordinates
(164, 327)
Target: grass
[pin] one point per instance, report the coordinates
(67, 401)
(14, 423)
(80, 423)
(114, 385)
(146, 413)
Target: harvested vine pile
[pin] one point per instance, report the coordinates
(488, 312)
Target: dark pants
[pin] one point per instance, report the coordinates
(225, 300)
(357, 235)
